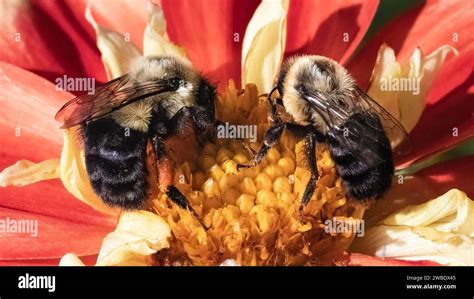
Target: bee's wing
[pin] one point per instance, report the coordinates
(107, 98)
(335, 115)
(395, 131)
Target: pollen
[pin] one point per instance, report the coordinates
(252, 215)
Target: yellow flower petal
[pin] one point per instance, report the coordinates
(425, 68)
(264, 44)
(451, 212)
(116, 51)
(70, 259)
(386, 66)
(402, 90)
(407, 243)
(73, 174)
(155, 40)
(25, 172)
(138, 235)
(441, 230)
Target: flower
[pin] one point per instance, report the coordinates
(440, 230)
(450, 90)
(252, 215)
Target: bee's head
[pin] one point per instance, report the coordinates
(319, 75)
(176, 72)
(315, 73)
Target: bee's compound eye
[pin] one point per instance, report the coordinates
(175, 82)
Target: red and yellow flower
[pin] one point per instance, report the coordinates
(244, 42)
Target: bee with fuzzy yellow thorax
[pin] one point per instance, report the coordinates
(327, 106)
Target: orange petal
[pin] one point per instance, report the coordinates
(212, 32)
(27, 125)
(329, 28)
(50, 38)
(52, 238)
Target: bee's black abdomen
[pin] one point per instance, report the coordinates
(116, 163)
(365, 163)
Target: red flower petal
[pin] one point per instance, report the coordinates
(89, 260)
(428, 27)
(441, 121)
(29, 103)
(319, 27)
(357, 259)
(54, 238)
(207, 30)
(123, 16)
(27, 124)
(50, 38)
(452, 174)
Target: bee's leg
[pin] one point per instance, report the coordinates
(274, 117)
(311, 136)
(158, 146)
(204, 121)
(178, 198)
(271, 138)
(172, 192)
(310, 147)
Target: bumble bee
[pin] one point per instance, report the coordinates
(327, 106)
(150, 103)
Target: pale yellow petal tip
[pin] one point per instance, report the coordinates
(146, 224)
(155, 40)
(25, 172)
(117, 50)
(138, 235)
(451, 212)
(264, 44)
(441, 230)
(70, 259)
(447, 49)
(74, 176)
(402, 89)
